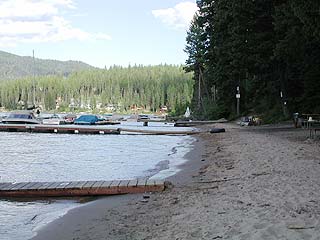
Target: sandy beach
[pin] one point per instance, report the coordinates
(246, 183)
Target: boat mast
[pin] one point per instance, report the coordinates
(33, 81)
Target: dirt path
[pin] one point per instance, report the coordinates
(255, 184)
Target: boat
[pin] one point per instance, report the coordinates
(187, 113)
(21, 117)
(86, 120)
(53, 120)
(103, 121)
(94, 120)
(70, 118)
(143, 117)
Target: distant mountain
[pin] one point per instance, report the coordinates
(14, 66)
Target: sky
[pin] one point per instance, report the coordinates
(98, 32)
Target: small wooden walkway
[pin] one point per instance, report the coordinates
(79, 188)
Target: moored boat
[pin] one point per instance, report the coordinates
(53, 120)
(94, 120)
(21, 117)
(86, 120)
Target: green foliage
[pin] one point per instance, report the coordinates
(120, 89)
(265, 47)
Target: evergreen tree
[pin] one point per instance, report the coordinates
(269, 48)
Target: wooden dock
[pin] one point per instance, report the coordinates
(70, 129)
(157, 132)
(81, 129)
(147, 121)
(197, 123)
(79, 188)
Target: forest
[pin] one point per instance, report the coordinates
(146, 88)
(266, 51)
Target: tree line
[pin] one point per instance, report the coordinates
(268, 51)
(145, 87)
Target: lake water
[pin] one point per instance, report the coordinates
(51, 157)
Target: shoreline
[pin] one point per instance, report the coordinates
(81, 215)
(247, 183)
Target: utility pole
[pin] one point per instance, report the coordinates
(284, 104)
(238, 100)
(199, 89)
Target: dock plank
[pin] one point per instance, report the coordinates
(97, 184)
(114, 184)
(6, 186)
(37, 185)
(124, 183)
(158, 182)
(106, 184)
(17, 186)
(46, 185)
(78, 184)
(28, 186)
(150, 182)
(133, 183)
(142, 182)
(63, 185)
(54, 185)
(89, 184)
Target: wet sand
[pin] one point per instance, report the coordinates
(247, 183)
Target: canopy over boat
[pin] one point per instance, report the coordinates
(87, 120)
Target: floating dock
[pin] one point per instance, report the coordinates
(70, 129)
(79, 188)
(197, 123)
(157, 132)
(81, 129)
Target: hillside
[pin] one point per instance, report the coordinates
(14, 66)
(143, 88)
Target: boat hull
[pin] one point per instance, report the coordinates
(20, 121)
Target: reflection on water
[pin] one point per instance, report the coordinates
(50, 157)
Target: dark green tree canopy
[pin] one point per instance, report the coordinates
(269, 48)
(146, 87)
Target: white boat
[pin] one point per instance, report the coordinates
(21, 117)
(187, 113)
(53, 120)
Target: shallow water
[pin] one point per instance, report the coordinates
(51, 157)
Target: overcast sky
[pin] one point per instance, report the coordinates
(98, 32)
